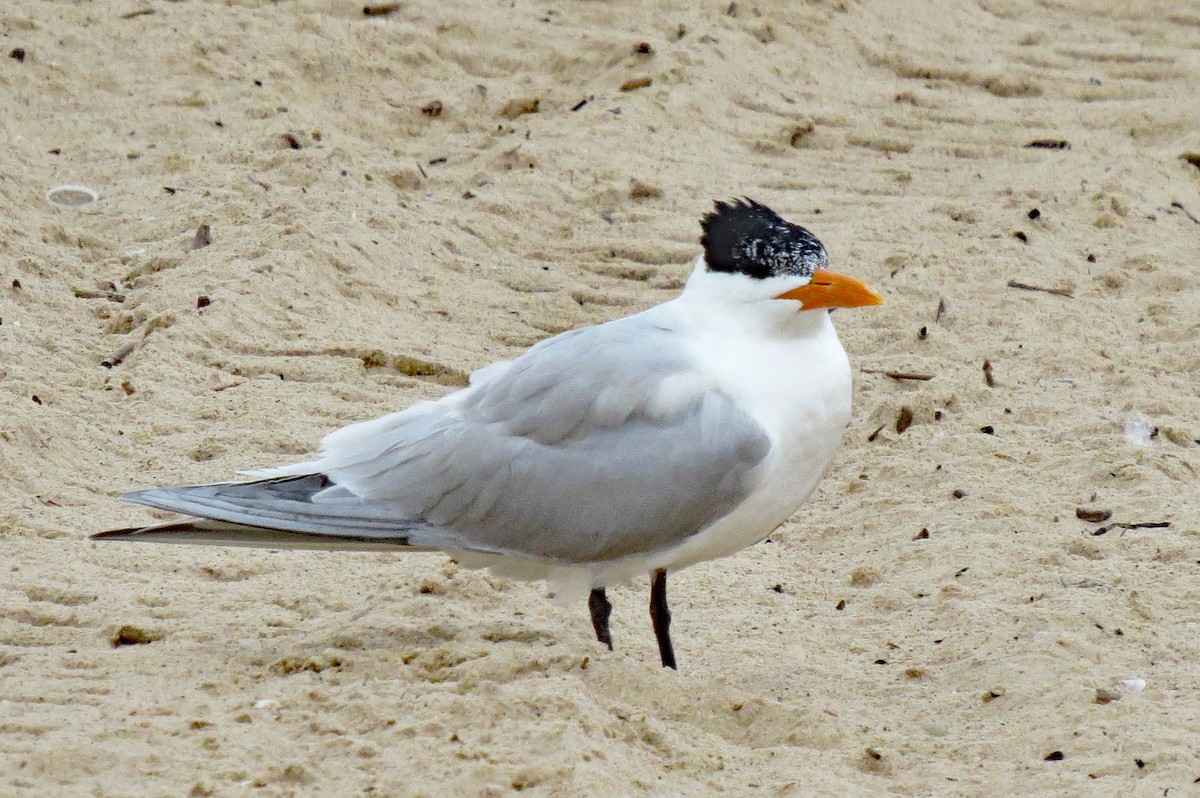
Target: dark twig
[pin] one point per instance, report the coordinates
(380, 10)
(111, 296)
(898, 375)
(1027, 287)
(1141, 525)
(1186, 212)
(122, 352)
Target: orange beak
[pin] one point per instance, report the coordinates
(832, 290)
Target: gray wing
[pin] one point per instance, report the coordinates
(595, 444)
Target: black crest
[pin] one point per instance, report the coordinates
(748, 237)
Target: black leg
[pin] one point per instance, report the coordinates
(660, 614)
(601, 609)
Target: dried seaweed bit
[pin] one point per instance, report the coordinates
(581, 103)
(202, 302)
(141, 12)
(871, 438)
(17, 54)
(1191, 157)
(841, 605)
(433, 109)
(380, 9)
(1106, 696)
(292, 140)
(1056, 291)
(643, 48)
(1054, 756)
(1049, 144)
(203, 237)
(941, 311)
(923, 534)
(520, 106)
(923, 333)
(635, 83)
(987, 374)
(132, 636)
(1021, 236)
(1093, 515)
(639, 190)
(993, 694)
(904, 419)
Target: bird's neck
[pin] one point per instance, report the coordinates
(730, 302)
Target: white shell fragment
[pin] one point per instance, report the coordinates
(69, 195)
(1138, 429)
(266, 703)
(1132, 685)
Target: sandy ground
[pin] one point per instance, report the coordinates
(936, 621)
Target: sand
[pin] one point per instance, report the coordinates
(396, 200)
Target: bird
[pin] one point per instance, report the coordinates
(638, 446)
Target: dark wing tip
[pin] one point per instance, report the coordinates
(116, 534)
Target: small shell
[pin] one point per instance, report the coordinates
(266, 703)
(1132, 685)
(69, 195)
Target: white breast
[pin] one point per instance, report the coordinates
(799, 391)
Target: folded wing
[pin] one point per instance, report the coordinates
(596, 444)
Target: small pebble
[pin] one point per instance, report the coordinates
(1093, 514)
(1106, 696)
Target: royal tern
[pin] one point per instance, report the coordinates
(643, 445)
